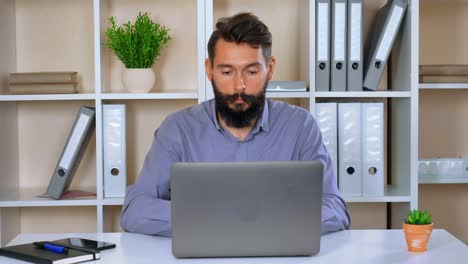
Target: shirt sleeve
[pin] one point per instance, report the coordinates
(147, 208)
(335, 215)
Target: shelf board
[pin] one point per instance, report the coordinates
(442, 180)
(424, 86)
(364, 94)
(48, 97)
(150, 96)
(391, 194)
(28, 198)
(112, 201)
(288, 94)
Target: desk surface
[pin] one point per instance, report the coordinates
(354, 246)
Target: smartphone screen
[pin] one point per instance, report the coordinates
(87, 243)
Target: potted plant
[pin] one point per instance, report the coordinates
(418, 229)
(138, 46)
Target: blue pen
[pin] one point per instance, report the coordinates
(51, 247)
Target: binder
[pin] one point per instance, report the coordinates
(322, 46)
(349, 149)
(338, 49)
(114, 150)
(355, 65)
(372, 149)
(385, 30)
(72, 152)
(327, 120)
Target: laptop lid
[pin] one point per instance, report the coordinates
(235, 209)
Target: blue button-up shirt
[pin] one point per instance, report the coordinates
(283, 132)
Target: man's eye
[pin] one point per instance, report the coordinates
(226, 72)
(252, 72)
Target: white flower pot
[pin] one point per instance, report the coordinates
(138, 80)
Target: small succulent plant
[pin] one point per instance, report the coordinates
(416, 217)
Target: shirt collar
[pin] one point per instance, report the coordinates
(263, 123)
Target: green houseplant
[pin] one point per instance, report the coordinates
(138, 46)
(418, 228)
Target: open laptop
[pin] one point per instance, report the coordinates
(240, 209)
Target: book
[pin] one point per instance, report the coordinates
(443, 79)
(32, 253)
(443, 69)
(44, 77)
(43, 88)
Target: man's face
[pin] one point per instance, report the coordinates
(239, 75)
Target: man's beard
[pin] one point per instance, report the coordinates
(239, 118)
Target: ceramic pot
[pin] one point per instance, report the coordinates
(417, 236)
(138, 80)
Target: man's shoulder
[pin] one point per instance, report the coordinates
(284, 111)
(191, 115)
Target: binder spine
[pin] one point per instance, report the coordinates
(327, 120)
(349, 149)
(339, 65)
(322, 67)
(388, 22)
(372, 149)
(355, 63)
(114, 148)
(72, 153)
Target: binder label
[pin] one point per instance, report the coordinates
(390, 31)
(340, 24)
(355, 41)
(322, 41)
(72, 145)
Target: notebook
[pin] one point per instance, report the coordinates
(31, 253)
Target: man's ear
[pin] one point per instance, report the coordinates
(208, 69)
(271, 67)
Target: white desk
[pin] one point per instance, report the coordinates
(356, 246)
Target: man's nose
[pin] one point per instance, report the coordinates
(239, 83)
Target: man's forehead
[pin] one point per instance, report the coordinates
(231, 53)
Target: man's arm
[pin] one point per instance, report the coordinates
(335, 214)
(147, 208)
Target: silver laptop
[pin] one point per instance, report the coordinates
(240, 209)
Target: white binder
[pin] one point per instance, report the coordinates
(354, 73)
(322, 46)
(327, 120)
(349, 149)
(338, 49)
(114, 147)
(372, 149)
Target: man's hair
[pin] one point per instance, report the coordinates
(241, 28)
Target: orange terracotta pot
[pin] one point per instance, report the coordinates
(417, 236)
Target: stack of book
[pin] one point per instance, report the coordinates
(43, 82)
(443, 73)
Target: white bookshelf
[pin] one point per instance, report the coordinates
(29, 198)
(47, 97)
(446, 86)
(149, 96)
(395, 194)
(443, 180)
(180, 81)
(376, 94)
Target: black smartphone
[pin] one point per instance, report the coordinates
(86, 243)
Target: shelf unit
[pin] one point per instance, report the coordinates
(26, 163)
(443, 110)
